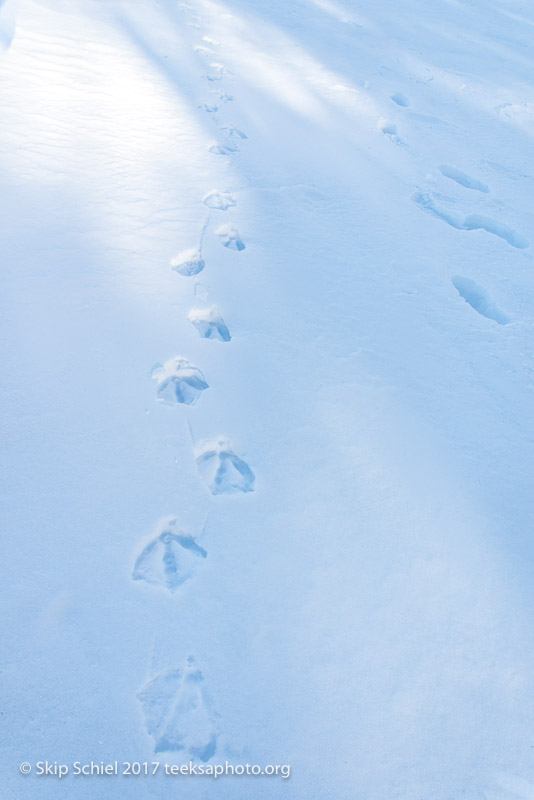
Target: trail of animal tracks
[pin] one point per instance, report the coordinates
(267, 336)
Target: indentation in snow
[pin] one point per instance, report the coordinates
(223, 149)
(189, 262)
(463, 179)
(178, 381)
(400, 99)
(223, 471)
(219, 200)
(209, 323)
(479, 299)
(229, 237)
(169, 560)
(178, 712)
(470, 223)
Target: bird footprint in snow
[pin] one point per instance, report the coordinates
(216, 74)
(189, 262)
(178, 712)
(229, 237)
(223, 471)
(178, 381)
(209, 323)
(169, 560)
(233, 132)
(223, 149)
(219, 200)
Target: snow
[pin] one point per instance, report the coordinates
(353, 481)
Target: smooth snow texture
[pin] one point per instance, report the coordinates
(219, 200)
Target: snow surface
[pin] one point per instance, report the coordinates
(364, 609)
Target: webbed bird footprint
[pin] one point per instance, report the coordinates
(169, 560)
(229, 237)
(233, 132)
(189, 262)
(219, 200)
(223, 471)
(209, 323)
(178, 381)
(223, 149)
(216, 74)
(178, 712)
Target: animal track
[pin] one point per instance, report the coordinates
(219, 200)
(203, 51)
(217, 74)
(233, 132)
(7, 23)
(189, 262)
(475, 222)
(178, 381)
(223, 149)
(427, 204)
(400, 99)
(169, 560)
(209, 323)
(229, 237)
(520, 113)
(178, 712)
(479, 299)
(223, 471)
(463, 179)
(209, 108)
(471, 222)
(390, 130)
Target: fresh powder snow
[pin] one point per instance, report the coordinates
(267, 336)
